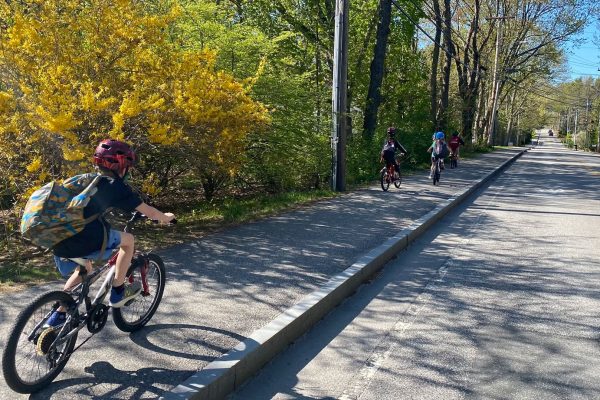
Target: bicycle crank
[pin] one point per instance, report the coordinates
(98, 318)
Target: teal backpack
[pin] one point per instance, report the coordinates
(54, 212)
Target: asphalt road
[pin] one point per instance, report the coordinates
(499, 300)
(223, 287)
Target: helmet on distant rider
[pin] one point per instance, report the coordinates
(455, 133)
(391, 131)
(114, 155)
(439, 135)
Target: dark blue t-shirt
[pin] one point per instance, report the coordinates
(112, 193)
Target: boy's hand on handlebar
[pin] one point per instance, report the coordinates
(170, 218)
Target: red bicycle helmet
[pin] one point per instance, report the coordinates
(114, 155)
(391, 131)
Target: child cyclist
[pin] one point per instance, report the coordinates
(391, 145)
(436, 149)
(113, 159)
(455, 143)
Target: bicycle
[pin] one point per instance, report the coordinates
(389, 175)
(453, 160)
(437, 171)
(47, 350)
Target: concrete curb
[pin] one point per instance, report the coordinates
(224, 375)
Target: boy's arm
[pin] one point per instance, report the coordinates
(155, 214)
(402, 149)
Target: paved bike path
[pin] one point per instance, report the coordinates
(223, 287)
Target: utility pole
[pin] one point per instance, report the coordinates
(598, 143)
(568, 122)
(587, 123)
(493, 124)
(575, 133)
(339, 96)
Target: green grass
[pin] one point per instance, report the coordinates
(17, 274)
(193, 223)
(234, 211)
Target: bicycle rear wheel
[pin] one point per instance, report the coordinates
(385, 182)
(30, 361)
(133, 316)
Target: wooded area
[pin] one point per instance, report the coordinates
(224, 98)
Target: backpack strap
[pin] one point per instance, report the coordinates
(104, 244)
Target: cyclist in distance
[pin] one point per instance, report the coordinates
(455, 143)
(391, 145)
(112, 159)
(436, 149)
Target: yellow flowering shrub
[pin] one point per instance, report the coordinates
(78, 71)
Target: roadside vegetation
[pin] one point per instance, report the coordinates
(228, 104)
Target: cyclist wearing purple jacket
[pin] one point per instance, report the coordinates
(391, 145)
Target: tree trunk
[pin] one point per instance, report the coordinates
(442, 116)
(509, 124)
(435, 59)
(377, 67)
(469, 73)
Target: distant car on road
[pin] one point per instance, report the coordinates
(550, 133)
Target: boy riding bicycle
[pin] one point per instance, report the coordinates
(391, 145)
(97, 240)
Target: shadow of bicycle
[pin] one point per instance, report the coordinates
(107, 382)
(196, 342)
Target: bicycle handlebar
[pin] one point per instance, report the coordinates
(136, 216)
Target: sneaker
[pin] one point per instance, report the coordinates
(430, 175)
(56, 320)
(118, 300)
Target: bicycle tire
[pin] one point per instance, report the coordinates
(19, 340)
(398, 182)
(136, 315)
(436, 173)
(385, 183)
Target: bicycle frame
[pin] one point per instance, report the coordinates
(81, 290)
(82, 293)
(390, 173)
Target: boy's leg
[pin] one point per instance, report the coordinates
(58, 317)
(120, 294)
(124, 258)
(75, 279)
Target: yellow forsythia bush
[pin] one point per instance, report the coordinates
(73, 72)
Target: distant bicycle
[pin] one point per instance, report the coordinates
(437, 171)
(453, 160)
(36, 353)
(389, 175)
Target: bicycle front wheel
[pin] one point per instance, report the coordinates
(398, 180)
(30, 360)
(135, 315)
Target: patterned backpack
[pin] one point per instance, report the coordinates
(55, 211)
